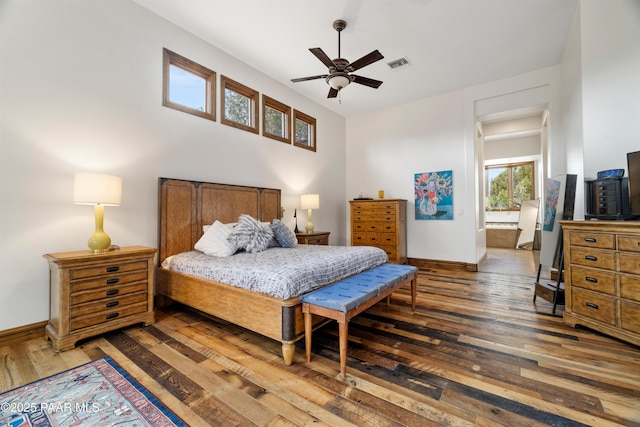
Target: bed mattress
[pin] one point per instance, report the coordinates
(280, 272)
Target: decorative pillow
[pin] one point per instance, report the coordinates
(215, 241)
(283, 234)
(250, 235)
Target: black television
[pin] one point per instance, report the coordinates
(633, 168)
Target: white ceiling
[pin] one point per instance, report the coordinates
(451, 44)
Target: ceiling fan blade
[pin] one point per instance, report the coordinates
(303, 79)
(332, 93)
(366, 81)
(366, 60)
(319, 53)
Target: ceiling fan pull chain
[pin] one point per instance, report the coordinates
(340, 97)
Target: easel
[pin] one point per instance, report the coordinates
(550, 292)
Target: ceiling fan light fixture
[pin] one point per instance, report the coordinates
(338, 82)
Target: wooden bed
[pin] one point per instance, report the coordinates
(184, 208)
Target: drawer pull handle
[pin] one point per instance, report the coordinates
(591, 279)
(112, 292)
(113, 269)
(113, 281)
(112, 315)
(591, 258)
(592, 305)
(590, 240)
(113, 304)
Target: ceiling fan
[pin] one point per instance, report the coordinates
(339, 69)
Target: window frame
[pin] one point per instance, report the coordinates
(298, 115)
(510, 167)
(246, 91)
(209, 76)
(282, 108)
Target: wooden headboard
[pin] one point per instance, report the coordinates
(184, 207)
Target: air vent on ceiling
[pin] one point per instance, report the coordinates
(398, 63)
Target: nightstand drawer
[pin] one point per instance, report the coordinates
(629, 263)
(594, 306)
(101, 270)
(106, 316)
(110, 292)
(596, 280)
(593, 258)
(593, 240)
(629, 243)
(109, 281)
(106, 304)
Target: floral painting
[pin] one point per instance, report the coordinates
(434, 195)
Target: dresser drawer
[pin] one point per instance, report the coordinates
(360, 207)
(630, 317)
(593, 240)
(388, 239)
(365, 227)
(109, 281)
(596, 280)
(629, 243)
(366, 239)
(594, 306)
(374, 216)
(629, 263)
(391, 251)
(101, 270)
(593, 258)
(104, 317)
(111, 291)
(630, 287)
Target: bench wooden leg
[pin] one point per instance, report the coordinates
(308, 330)
(343, 332)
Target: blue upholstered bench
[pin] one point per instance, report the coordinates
(343, 300)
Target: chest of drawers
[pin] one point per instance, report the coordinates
(381, 223)
(96, 293)
(602, 277)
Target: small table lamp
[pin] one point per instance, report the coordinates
(309, 201)
(98, 190)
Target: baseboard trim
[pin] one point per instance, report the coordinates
(22, 333)
(427, 264)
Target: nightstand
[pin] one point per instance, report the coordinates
(315, 238)
(96, 293)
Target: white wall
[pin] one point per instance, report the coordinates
(610, 64)
(82, 91)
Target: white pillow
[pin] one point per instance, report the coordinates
(214, 241)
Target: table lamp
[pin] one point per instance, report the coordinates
(309, 201)
(99, 190)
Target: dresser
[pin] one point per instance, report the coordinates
(313, 238)
(95, 293)
(602, 277)
(381, 223)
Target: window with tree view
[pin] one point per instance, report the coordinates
(304, 130)
(509, 185)
(276, 121)
(239, 105)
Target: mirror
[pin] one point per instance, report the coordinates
(527, 224)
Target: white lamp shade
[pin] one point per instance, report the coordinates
(95, 188)
(310, 201)
(338, 82)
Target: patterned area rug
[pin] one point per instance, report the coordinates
(99, 393)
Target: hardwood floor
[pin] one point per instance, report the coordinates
(477, 351)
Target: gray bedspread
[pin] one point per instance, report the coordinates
(280, 272)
